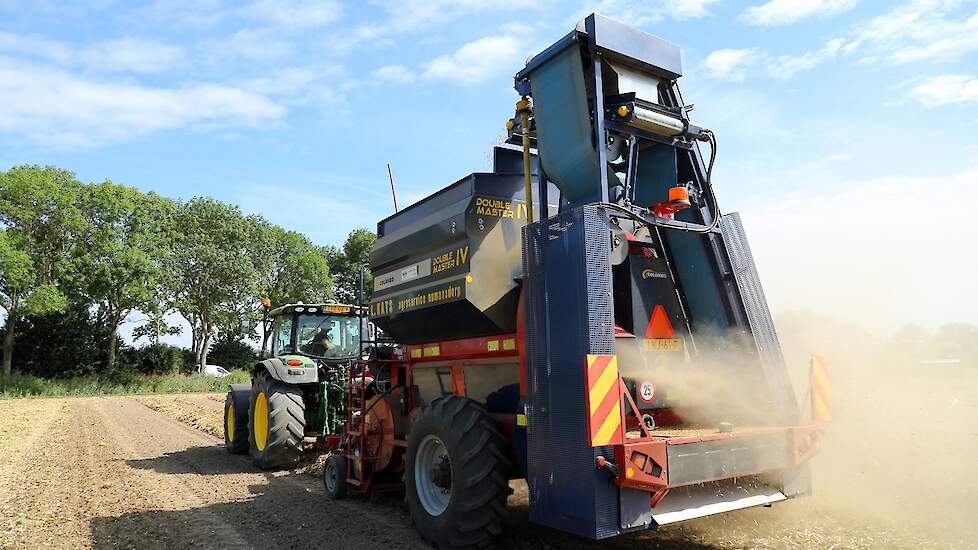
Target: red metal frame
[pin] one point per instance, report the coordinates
(642, 460)
(500, 345)
(354, 435)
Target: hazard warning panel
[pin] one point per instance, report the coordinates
(604, 400)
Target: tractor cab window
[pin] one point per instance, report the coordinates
(328, 336)
(282, 343)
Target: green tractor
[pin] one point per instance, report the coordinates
(296, 395)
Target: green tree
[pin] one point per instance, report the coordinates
(159, 359)
(163, 300)
(215, 278)
(231, 353)
(346, 264)
(61, 344)
(38, 208)
(120, 263)
(155, 326)
(291, 268)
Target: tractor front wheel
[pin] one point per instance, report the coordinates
(456, 474)
(276, 422)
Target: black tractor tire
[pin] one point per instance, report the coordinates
(236, 419)
(334, 476)
(477, 468)
(277, 444)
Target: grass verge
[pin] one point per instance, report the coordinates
(23, 385)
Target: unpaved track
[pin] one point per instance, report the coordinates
(145, 472)
(110, 472)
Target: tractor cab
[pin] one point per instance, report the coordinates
(329, 332)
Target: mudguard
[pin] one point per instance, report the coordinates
(307, 373)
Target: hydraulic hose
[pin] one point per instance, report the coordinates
(705, 135)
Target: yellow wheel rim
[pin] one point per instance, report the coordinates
(261, 421)
(229, 429)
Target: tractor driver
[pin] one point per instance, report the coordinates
(320, 343)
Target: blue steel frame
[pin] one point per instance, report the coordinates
(569, 306)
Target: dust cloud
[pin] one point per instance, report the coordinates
(713, 385)
(902, 449)
(901, 452)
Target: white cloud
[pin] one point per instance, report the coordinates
(644, 12)
(58, 52)
(736, 64)
(131, 54)
(55, 108)
(404, 16)
(295, 14)
(290, 14)
(476, 61)
(395, 73)
(730, 64)
(301, 85)
(186, 13)
(518, 28)
(785, 66)
(944, 89)
(250, 44)
(783, 12)
(687, 9)
(122, 55)
(919, 30)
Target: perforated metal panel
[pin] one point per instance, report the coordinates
(567, 281)
(597, 244)
(758, 314)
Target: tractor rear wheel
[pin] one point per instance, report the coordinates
(236, 419)
(276, 422)
(456, 474)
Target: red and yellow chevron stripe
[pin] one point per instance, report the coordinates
(604, 400)
(821, 389)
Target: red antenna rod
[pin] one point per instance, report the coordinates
(393, 193)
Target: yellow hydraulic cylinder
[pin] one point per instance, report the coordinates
(523, 109)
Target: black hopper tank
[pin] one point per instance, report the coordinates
(447, 267)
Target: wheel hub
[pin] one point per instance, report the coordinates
(433, 475)
(441, 473)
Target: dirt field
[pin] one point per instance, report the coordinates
(149, 472)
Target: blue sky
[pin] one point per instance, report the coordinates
(848, 129)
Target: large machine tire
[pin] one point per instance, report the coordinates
(276, 422)
(334, 476)
(456, 474)
(236, 419)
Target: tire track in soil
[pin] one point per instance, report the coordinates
(25, 423)
(111, 473)
(224, 500)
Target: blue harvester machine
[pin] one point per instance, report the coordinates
(582, 317)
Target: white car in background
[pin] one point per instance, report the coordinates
(214, 370)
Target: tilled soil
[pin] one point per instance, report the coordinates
(110, 472)
(149, 472)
